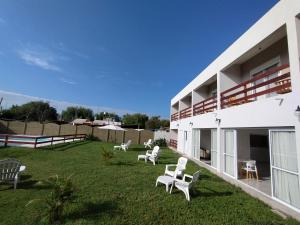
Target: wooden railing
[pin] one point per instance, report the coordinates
(36, 140)
(174, 116)
(262, 84)
(187, 112)
(173, 143)
(205, 106)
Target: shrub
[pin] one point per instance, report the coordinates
(107, 154)
(160, 142)
(62, 193)
(91, 137)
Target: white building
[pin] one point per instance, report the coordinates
(243, 107)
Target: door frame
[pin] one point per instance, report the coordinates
(271, 166)
(234, 152)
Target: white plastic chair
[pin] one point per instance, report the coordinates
(250, 168)
(179, 168)
(184, 185)
(9, 171)
(151, 155)
(148, 144)
(123, 146)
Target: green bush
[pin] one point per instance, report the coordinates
(62, 193)
(160, 142)
(91, 137)
(107, 154)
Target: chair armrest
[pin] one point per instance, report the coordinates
(149, 152)
(187, 176)
(22, 168)
(169, 165)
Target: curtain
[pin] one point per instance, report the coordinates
(229, 152)
(285, 176)
(214, 150)
(196, 143)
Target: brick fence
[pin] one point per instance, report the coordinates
(50, 129)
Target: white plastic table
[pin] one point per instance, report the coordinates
(166, 180)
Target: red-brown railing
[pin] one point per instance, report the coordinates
(35, 140)
(173, 143)
(187, 112)
(208, 105)
(174, 116)
(248, 91)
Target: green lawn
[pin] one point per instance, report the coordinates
(123, 192)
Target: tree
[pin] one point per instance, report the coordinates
(105, 115)
(165, 123)
(72, 113)
(31, 111)
(153, 123)
(137, 119)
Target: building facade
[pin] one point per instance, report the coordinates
(243, 108)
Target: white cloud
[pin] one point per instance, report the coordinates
(42, 60)
(64, 80)
(12, 98)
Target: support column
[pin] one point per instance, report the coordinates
(293, 36)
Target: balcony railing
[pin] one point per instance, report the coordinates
(208, 105)
(173, 143)
(187, 112)
(174, 116)
(263, 84)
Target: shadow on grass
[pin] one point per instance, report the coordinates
(64, 146)
(92, 211)
(122, 163)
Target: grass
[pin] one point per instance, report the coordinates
(123, 192)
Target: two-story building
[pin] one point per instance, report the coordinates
(245, 107)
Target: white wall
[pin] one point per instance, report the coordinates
(162, 134)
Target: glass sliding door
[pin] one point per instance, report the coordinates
(284, 167)
(214, 150)
(196, 144)
(229, 152)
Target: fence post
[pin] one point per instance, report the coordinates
(123, 138)
(107, 135)
(35, 141)
(51, 140)
(43, 128)
(139, 136)
(6, 139)
(92, 130)
(25, 127)
(59, 128)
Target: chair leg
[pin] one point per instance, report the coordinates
(256, 174)
(187, 194)
(171, 187)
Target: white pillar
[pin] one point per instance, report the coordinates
(293, 36)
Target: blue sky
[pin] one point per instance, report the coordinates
(132, 55)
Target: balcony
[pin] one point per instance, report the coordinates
(266, 84)
(205, 106)
(173, 143)
(185, 113)
(174, 116)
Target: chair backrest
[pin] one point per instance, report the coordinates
(181, 164)
(149, 141)
(128, 143)
(9, 168)
(155, 150)
(251, 164)
(196, 176)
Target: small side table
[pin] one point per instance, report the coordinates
(166, 180)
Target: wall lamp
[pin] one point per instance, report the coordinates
(191, 123)
(177, 124)
(297, 112)
(218, 121)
